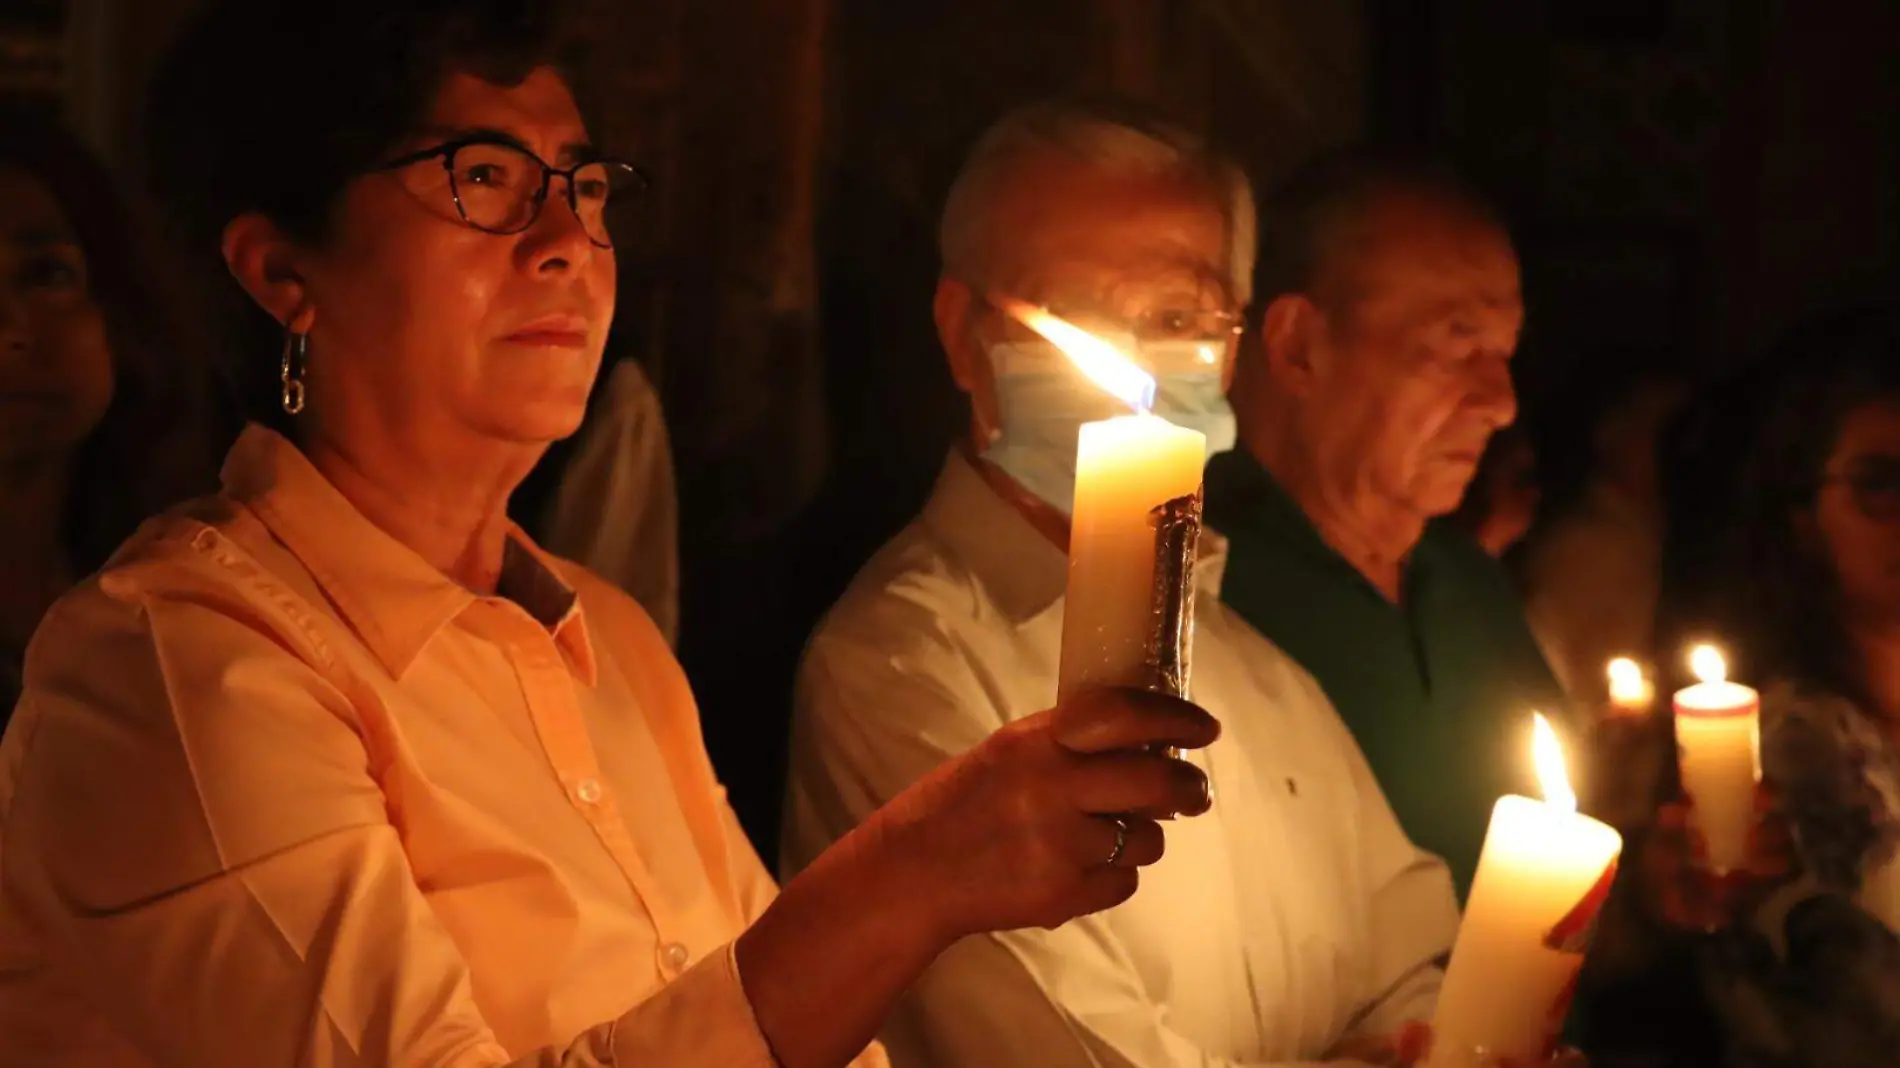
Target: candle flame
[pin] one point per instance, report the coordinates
(1548, 754)
(1706, 662)
(1104, 364)
(1626, 680)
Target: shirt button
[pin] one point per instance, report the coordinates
(673, 957)
(588, 791)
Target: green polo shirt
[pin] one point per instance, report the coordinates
(1438, 689)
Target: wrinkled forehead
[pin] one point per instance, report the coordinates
(1061, 226)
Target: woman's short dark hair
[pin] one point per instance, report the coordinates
(274, 106)
(1781, 597)
(152, 448)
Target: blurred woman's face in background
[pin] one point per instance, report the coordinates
(55, 363)
(1857, 512)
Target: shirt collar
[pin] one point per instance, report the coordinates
(393, 599)
(1022, 570)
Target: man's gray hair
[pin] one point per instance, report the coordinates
(1115, 137)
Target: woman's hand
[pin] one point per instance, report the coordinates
(1020, 831)
(1681, 888)
(1044, 821)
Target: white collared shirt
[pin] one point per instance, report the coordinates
(1294, 915)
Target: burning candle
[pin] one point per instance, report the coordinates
(1630, 689)
(1542, 877)
(1718, 750)
(1128, 615)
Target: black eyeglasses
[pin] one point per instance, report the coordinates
(500, 187)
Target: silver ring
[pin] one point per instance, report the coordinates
(1121, 842)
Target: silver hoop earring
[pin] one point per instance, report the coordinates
(290, 373)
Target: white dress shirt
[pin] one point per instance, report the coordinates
(1294, 915)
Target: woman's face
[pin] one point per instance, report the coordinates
(1857, 512)
(436, 332)
(55, 363)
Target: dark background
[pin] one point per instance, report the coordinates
(1684, 177)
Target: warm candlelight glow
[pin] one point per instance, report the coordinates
(1542, 878)
(1628, 688)
(1548, 754)
(1706, 663)
(1104, 364)
(1718, 755)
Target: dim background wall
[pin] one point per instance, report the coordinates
(1684, 175)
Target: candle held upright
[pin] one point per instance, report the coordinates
(1129, 615)
(1542, 878)
(1718, 752)
(1134, 530)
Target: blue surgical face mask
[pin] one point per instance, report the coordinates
(1041, 408)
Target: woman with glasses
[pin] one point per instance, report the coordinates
(1803, 966)
(337, 767)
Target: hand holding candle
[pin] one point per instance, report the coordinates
(1718, 751)
(1541, 879)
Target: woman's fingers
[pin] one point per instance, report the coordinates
(1104, 720)
(1136, 781)
(1120, 842)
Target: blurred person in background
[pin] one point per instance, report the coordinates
(1794, 957)
(102, 410)
(610, 501)
(1592, 572)
(1501, 504)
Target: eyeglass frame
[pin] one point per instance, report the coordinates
(446, 152)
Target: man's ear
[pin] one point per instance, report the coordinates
(1289, 335)
(264, 261)
(955, 309)
(951, 308)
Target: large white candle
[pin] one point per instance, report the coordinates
(1718, 750)
(1541, 879)
(1125, 468)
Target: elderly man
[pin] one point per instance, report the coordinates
(1293, 923)
(1383, 367)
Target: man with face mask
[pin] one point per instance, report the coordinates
(1382, 370)
(1294, 922)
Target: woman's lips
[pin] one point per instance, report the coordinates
(549, 338)
(551, 331)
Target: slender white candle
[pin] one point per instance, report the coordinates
(1541, 879)
(1718, 751)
